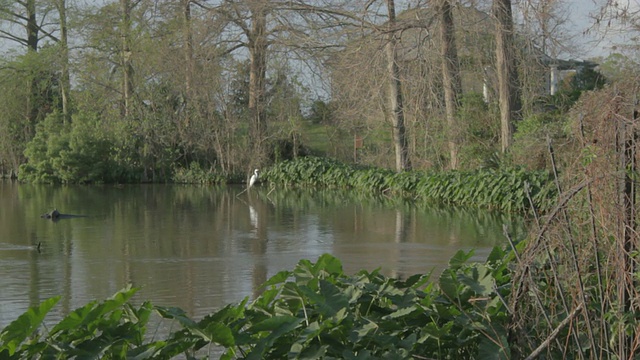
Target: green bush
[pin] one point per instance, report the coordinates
(92, 150)
(79, 152)
(530, 140)
(195, 174)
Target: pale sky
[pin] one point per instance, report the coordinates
(578, 11)
(600, 40)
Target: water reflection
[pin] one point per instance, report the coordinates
(258, 245)
(201, 247)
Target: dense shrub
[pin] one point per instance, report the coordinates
(195, 174)
(530, 146)
(79, 152)
(90, 150)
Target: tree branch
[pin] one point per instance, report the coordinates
(554, 334)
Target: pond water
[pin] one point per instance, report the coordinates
(201, 247)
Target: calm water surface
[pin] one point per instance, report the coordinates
(199, 247)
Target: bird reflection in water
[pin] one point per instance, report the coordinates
(258, 248)
(253, 217)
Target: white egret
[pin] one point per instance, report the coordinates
(254, 178)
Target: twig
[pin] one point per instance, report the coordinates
(242, 192)
(572, 247)
(554, 334)
(528, 274)
(594, 239)
(504, 302)
(562, 202)
(527, 188)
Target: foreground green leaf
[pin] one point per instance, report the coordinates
(14, 334)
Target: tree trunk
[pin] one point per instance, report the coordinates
(508, 83)
(65, 82)
(188, 57)
(32, 26)
(395, 94)
(127, 67)
(188, 47)
(257, 76)
(450, 77)
(32, 46)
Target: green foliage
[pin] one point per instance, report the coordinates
(16, 334)
(619, 67)
(476, 293)
(79, 152)
(320, 112)
(309, 171)
(530, 140)
(478, 127)
(502, 189)
(111, 329)
(29, 89)
(571, 88)
(588, 79)
(195, 174)
(90, 150)
(314, 311)
(478, 133)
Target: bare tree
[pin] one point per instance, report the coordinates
(450, 76)
(617, 23)
(544, 23)
(125, 56)
(188, 47)
(249, 29)
(30, 16)
(65, 80)
(395, 95)
(508, 82)
(257, 45)
(262, 27)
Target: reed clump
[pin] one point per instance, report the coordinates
(575, 284)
